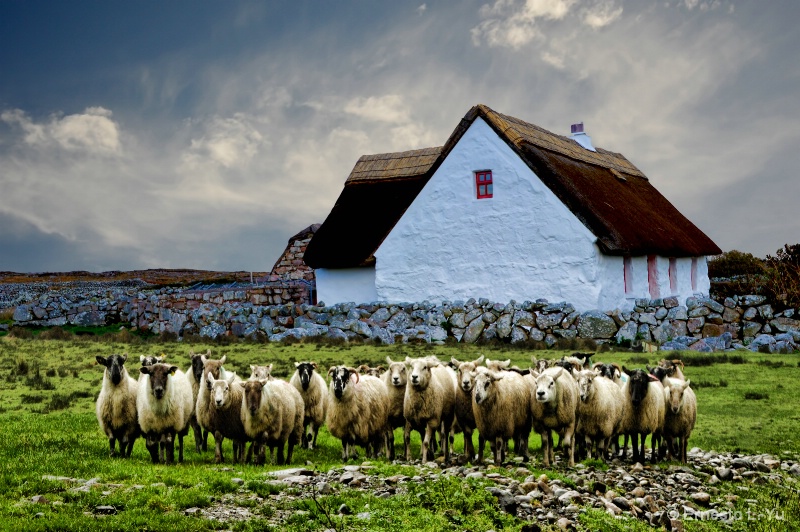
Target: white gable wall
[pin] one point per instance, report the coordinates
(522, 244)
(346, 285)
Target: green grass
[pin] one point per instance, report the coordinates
(48, 429)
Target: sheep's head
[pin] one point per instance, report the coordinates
(546, 387)
(197, 364)
(212, 366)
(638, 384)
(674, 394)
(252, 394)
(114, 366)
(261, 372)
(340, 379)
(465, 372)
(159, 377)
(376, 371)
(585, 380)
(608, 370)
(420, 371)
(538, 365)
(397, 373)
(220, 390)
(305, 370)
(660, 372)
(498, 365)
(149, 360)
(484, 385)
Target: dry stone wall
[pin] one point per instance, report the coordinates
(701, 324)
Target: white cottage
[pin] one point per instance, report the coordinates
(506, 210)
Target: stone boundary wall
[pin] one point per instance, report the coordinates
(701, 324)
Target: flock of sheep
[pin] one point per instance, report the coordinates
(588, 404)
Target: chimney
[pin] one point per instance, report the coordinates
(580, 137)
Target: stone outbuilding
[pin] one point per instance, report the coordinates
(291, 265)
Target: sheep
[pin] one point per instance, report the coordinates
(674, 368)
(498, 365)
(203, 398)
(395, 380)
(463, 403)
(225, 415)
(429, 404)
(164, 406)
(599, 411)
(116, 405)
(609, 370)
(376, 371)
(501, 406)
(258, 373)
(195, 375)
(149, 360)
(553, 408)
(314, 391)
(357, 410)
(272, 414)
(681, 414)
(644, 411)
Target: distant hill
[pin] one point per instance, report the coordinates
(154, 277)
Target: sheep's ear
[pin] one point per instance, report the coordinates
(314, 365)
(141, 358)
(454, 362)
(222, 360)
(231, 378)
(629, 373)
(203, 358)
(269, 368)
(210, 379)
(145, 370)
(252, 368)
(558, 373)
(478, 360)
(389, 360)
(296, 364)
(173, 369)
(432, 363)
(101, 360)
(208, 352)
(124, 357)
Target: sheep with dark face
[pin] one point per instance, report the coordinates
(116, 405)
(610, 371)
(465, 416)
(149, 360)
(164, 407)
(357, 411)
(272, 414)
(195, 374)
(429, 404)
(681, 416)
(644, 411)
(313, 389)
(674, 368)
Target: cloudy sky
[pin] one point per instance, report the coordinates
(204, 134)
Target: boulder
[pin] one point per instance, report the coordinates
(596, 324)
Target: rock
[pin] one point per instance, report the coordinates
(724, 473)
(473, 331)
(344, 510)
(505, 499)
(701, 497)
(105, 510)
(795, 470)
(622, 503)
(40, 499)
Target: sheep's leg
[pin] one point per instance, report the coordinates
(407, 440)
(218, 456)
(655, 440)
(152, 447)
(180, 446)
(469, 446)
(446, 432)
(569, 445)
(481, 448)
(280, 453)
(198, 434)
(426, 443)
(169, 447)
(289, 451)
(684, 442)
(390, 443)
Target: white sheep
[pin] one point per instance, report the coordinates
(600, 410)
(553, 408)
(272, 414)
(202, 401)
(681, 414)
(164, 406)
(465, 416)
(116, 405)
(429, 404)
(357, 410)
(258, 373)
(644, 413)
(395, 378)
(501, 405)
(225, 416)
(314, 391)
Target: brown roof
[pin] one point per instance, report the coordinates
(612, 197)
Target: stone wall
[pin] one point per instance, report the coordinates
(291, 266)
(701, 324)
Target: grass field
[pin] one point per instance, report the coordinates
(747, 403)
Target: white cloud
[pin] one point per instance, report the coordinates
(601, 14)
(92, 131)
(421, 9)
(389, 108)
(513, 24)
(228, 142)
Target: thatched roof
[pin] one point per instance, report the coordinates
(612, 197)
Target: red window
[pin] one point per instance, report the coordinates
(673, 275)
(483, 184)
(694, 273)
(627, 273)
(652, 276)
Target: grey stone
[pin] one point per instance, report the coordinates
(596, 324)
(626, 333)
(547, 321)
(753, 300)
(473, 331)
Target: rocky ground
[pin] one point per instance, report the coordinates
(662, 496)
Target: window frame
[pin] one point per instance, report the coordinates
(673, 275)
(627, 273)
(484, 178)
(652, 277)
